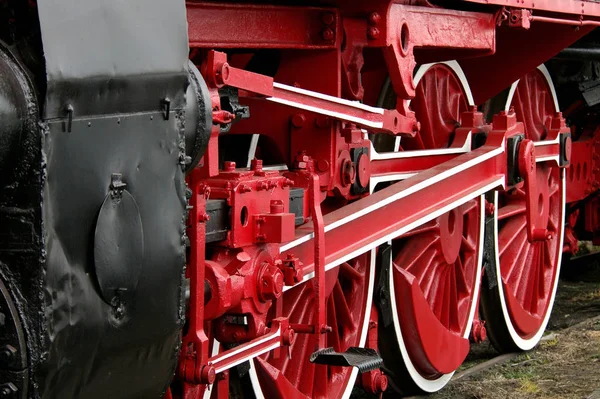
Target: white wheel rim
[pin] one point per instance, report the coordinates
(529, 343)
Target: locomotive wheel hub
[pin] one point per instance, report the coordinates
(451, 229)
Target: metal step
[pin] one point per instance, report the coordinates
(364, 359)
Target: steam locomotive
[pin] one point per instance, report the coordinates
(286, 199)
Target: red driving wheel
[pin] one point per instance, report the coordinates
(517, 309)
(290, 374)
(436, 268)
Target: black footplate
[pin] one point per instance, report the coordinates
(364, 359)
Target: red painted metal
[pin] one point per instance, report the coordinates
(436, 266)
(411, 29)
(374, 381)
(478, 331)
(221, 25)
(319, 326)
(325, 53)
(194, 353)
(280, 334)
(581, 8)
(290, 374)
(583, 176)
(433, 348)
(439, 103)
(536, 214)
(259, 201)
(529, 260)
(439, 262)
(570, 243)
(377, 120)
(516, 44)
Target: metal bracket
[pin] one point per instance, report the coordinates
(513, 177)
(220, 73)
(116, 186)
(165, 105)
(69, 110)
(566, 144)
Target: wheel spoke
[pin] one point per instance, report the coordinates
(333, 338)
(425, 228)
(468, 207)
(511, 210)
(511, 261)
(428, 278)
(412, 255)
(513, 229)
(341, 306)
(346, 270)
(520, 287)
(468, 244)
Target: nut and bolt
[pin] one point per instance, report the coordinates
(276, 206)
(373, 33)
(256, 165)
(322, 122)
(229, 166)
(322, 165)
(301, 161)
(270, 282)
(380, 383)
(298, 120)
(328, 34)
(374, 18)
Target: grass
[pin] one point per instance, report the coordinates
(529, 386)
(587, 297)
(564, 365)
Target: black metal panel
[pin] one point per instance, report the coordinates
(115, 94)
(125, 349)
(95, 50)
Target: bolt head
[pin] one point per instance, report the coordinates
(328, 34)
(229, 166)
(207, 375)
(374, 18)
(256, 165)
(373, 33)
(381, 383)
(322, 165)
(270, 283)
(298, 120)
(328, 18)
